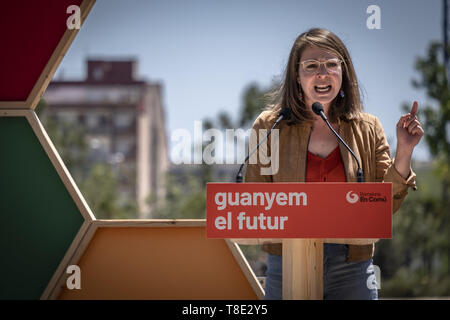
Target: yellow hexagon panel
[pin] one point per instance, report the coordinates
(158, 259)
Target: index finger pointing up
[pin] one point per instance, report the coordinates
(414, 108)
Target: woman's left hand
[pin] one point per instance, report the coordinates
(409, 130)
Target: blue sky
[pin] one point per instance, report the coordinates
(205, 52)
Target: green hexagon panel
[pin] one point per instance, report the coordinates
(39, 218)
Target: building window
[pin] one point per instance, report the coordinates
(100, 148)
(123, 120)
(124, 146)
(98, 73)
(92, 121)
(68, 116)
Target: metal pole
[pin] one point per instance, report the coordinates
(445, 34)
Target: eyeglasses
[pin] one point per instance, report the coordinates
(313, 66)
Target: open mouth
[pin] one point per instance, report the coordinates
(322, 89)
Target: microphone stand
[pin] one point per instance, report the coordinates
(318, 109)
(284, 113)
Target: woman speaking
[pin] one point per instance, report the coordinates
(320, 70)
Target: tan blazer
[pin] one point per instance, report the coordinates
(365, 136)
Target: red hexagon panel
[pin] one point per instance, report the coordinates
(34, 38)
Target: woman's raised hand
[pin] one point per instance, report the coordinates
(409, 130)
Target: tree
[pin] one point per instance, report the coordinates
(69, 139)
(185, 196)
(101, 189)
(186, 191)
(97, 182)
(416, 262)
(254, 99)
(434, 79)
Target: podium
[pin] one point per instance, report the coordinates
(302, 216)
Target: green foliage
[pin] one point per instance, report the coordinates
(186, 191)
(185, 195)
(101, 190)
(433, 74)
(256, 258)
(69, 139)
(98, 183)
(254, 99)
(415, 284)
(416, 262)
(436, 120)
(253, 104)
(225, 120)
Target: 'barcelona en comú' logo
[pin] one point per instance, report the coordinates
(352, 197)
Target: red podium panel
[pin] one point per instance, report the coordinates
(299, 210)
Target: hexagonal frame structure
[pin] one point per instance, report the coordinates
(24, 108)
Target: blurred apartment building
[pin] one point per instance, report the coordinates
(124, 122)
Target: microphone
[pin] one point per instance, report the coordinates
(318, 109)
(284, 113)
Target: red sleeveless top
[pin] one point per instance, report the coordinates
(329, 169)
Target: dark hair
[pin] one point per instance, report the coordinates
(287, 94)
